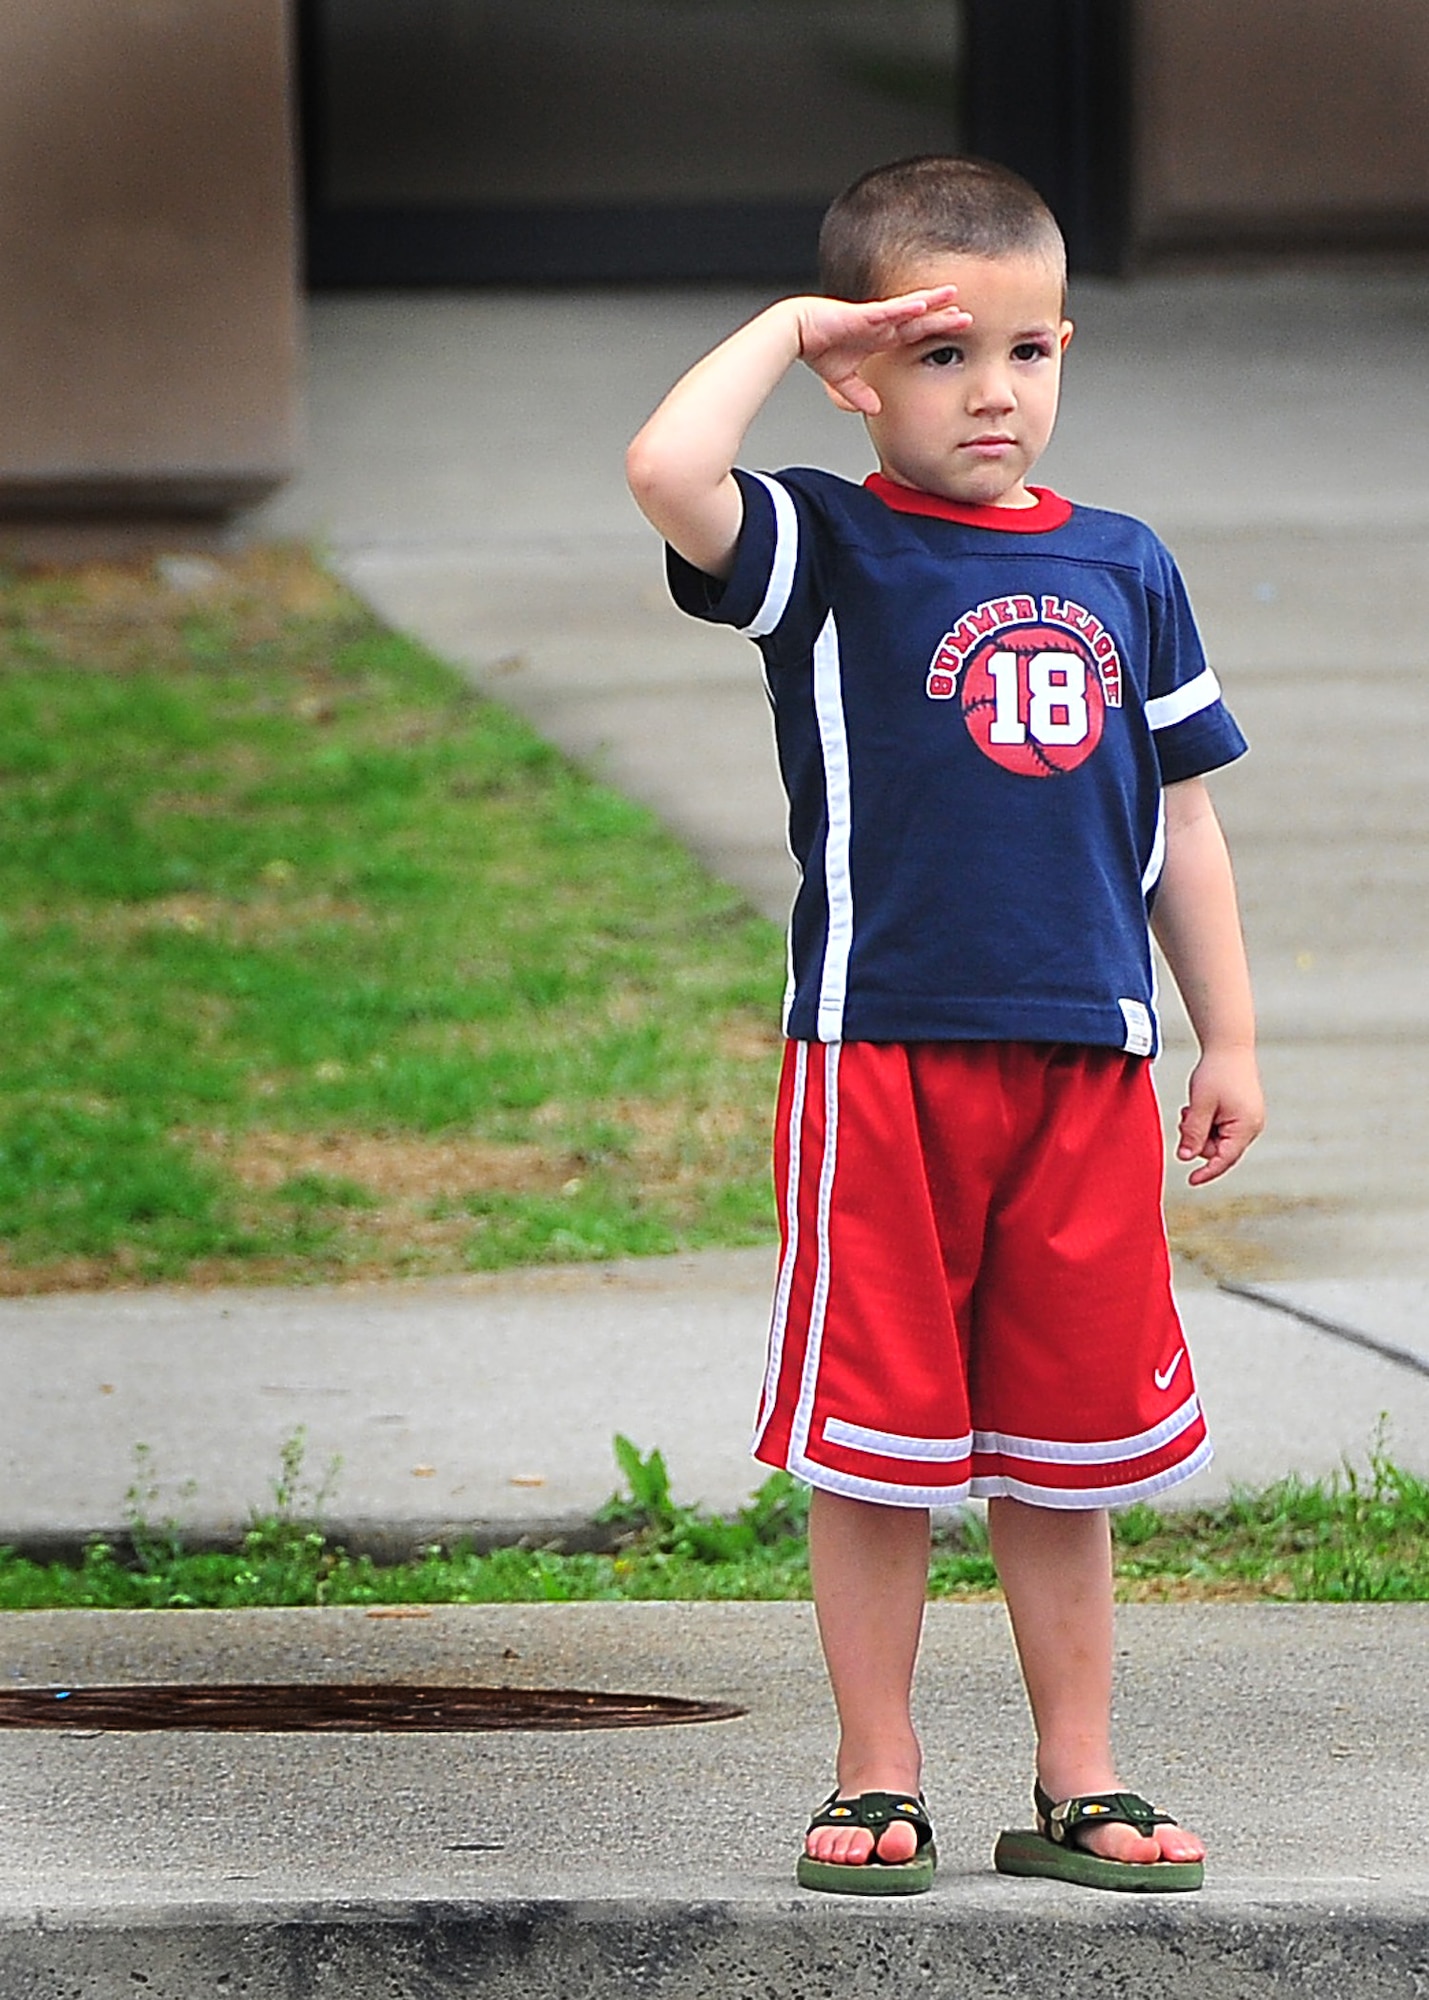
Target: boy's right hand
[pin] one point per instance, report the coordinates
(680, 464)
(837, 335)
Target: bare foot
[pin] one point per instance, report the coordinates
(1124, 1843)
(854, 1845)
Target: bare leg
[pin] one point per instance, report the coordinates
(870, 1574)
(1055, 1567)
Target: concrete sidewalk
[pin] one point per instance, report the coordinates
(485, 1407)
(659, 1862)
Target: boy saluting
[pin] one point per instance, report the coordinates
(993, 718)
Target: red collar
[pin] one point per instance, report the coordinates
(1051, 511)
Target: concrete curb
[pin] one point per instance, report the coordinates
(968, 1940)
(386, 1542)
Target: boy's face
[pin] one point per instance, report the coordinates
(968, 415)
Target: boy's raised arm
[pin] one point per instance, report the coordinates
(680, 464)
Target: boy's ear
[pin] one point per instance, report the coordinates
(841, 401)
(1065, 337)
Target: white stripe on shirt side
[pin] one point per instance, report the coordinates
(785, 561)
(1151, 875)
(838, 798)
(779, 1319)
(790, 978)
(1163, 711)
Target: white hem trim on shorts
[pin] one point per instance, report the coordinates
(888, 1444)
(1065, 1499)
(1049, 1451)
(1070, 1498)
(887, 1491)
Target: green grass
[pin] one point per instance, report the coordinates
(314, 964)
(1363, 1536)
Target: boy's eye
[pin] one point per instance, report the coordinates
(1031, 350)
(943, 357)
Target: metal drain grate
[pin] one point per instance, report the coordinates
(265, 1706)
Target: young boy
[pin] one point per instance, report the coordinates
(993, 718)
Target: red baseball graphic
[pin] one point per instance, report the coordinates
(1032, 700)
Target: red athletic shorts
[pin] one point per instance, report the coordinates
(975, 1294)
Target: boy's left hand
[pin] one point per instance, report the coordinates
(1225, 1113)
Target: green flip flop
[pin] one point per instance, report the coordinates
(1058, 1851)
(876, 1811)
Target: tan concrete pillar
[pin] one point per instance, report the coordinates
(148, 302)
(1281, 123)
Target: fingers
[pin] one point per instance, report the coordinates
(851, 392)
(937, 302)
(1218, 1151)
(1225, 1114)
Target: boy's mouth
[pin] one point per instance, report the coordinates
(991, 443)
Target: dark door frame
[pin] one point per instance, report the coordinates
(1064, 120)
(1048, 94)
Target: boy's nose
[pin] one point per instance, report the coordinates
(991, 391)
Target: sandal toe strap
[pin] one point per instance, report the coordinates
(1065, 1819)
(876, 1811)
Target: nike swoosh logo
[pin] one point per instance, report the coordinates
(1164, 1377)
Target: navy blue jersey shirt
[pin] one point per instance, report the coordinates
(976, 709)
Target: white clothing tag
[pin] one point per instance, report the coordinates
(1140, 1036)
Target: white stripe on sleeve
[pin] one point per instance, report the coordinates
(781, 570)
(1163, 711)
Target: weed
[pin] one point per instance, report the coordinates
(1361, 1536)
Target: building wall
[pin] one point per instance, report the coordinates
(1289, 122)
(148, 316)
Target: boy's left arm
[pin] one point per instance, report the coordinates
(1197, 926)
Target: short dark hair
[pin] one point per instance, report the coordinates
(935, 203)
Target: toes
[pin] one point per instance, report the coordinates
(1124, 1843)
(1120, 1843)
(854, 1846)
(1174, 1843)
(847, 1846)
(898, 1842)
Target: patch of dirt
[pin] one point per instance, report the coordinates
(393, 1169)
(748, 1038)
(1236, 1236)
(1199, 1590)
(60, 1274)
(118, 617)
(260, 919)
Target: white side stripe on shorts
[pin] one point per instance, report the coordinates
(809, 1383)
(779, 1318)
